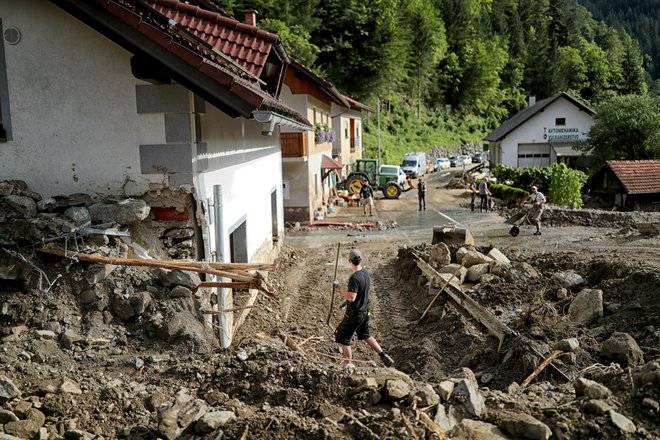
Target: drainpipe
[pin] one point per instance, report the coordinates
(222, 293)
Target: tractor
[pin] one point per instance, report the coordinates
(388, 178)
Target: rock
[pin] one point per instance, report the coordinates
(179, 278)
(396, 389)
(7, 416)
(500, 269)
(498, 256)
(523, 426)
(623, 349)
(69, 337)
(79, 215)
(622, 422)
(428, 396)
(7, 389)
(179, 233)
(445, 388)
(587, 307)
(124, 213)
(61, 385)
(332, 412)
(460, 272)
(467, 392)
(181, 292)
(562, 293)
(6, 189)
(468, 257)
(98, 272)
(439, 255)
(4, 436)
(591, 389)
(446, 420)
(476, 430)
(214, 420)
(22, 428)
(569, 279)
(174, 418)
(46, 205)
(648, 373)
(596, 406)
(25, 206)
(520, 273)
(77, 434)
(374, 397)
(475, 272)
(570, 344)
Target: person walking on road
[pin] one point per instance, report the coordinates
(367, 194)
(421, 194)
(473, 193)
(538, 200)
(484, 193)
(357, 313)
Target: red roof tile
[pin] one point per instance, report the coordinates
(328, 163)
(357, 105)
(247, 45)
(637, 176)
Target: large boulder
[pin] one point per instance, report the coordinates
(587, 307)
(439, 255)
(476, 430)
(523, 426)
(568, 279)
(622, 348)
(124, 212)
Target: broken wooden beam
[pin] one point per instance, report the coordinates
(257, 279)
(554, 355)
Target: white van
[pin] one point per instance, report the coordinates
(414, 164)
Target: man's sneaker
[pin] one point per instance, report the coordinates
(387, 360)
(537, 233)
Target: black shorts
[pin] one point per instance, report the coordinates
(358, 323)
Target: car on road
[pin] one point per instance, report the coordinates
(442, 163)
(455, 161)
(479, 158)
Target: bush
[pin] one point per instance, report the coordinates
(523, 177)
(506, 192)
(566, 185)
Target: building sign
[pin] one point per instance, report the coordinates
(561, 134)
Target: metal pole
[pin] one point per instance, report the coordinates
(223, 293)
(378, 118)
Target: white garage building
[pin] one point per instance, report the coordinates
(541, 134)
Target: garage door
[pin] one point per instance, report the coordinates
(533, 155)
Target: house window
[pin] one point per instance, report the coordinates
(560, 122)
(346, 133)
(315, 121)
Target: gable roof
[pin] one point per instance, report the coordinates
(326, 86)
(248, 45)
(190, 59)
(524, 115)
(637, 176)
(356, 105)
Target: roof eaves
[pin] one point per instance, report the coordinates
(323, 83)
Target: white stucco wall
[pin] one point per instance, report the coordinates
(248, 166)
(73, 110)
(535, 131)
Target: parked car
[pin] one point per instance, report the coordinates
(479, 158)
(467, 160)
(442, 163)
(414, 164)
(455, 161)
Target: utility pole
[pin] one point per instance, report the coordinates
(378, 119)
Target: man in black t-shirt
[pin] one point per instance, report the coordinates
(356, 315)
(367, 194)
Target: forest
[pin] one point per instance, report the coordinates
(444, 72)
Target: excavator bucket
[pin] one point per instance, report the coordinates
(452, 235)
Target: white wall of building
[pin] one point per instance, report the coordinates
(248, 166)
(73, 106)
(541, 130)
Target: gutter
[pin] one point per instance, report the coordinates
(269, 119)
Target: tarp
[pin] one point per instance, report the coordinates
(328, 163)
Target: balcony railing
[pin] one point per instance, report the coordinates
(293, 144)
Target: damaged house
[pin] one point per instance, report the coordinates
(166, 102)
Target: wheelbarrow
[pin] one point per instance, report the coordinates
(452, 235)
(517, 220)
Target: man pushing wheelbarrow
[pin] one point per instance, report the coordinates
(532, 216)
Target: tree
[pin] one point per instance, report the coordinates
(625, 128)
(296, 40)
